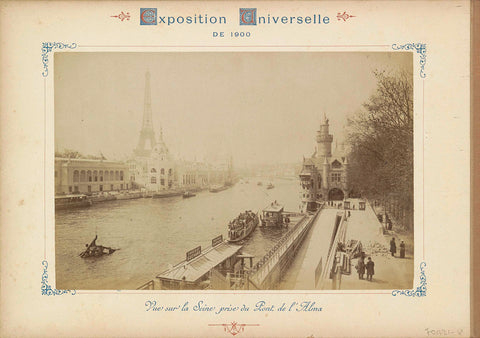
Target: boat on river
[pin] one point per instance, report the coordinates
(218, 188)
(94, 250)
(188, 194)
(242, 226)
(72, 201)
(167, 193)
(128, 195)
(102, 197)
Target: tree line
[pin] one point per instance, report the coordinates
(381, 146)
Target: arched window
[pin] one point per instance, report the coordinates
(95, 176)
(170, 171)
(82, 176)
(106, 175)
(153, 170)
(101, 175)
(153, 180)
(117, 176)
(162, 171)
(76, 176)
(89, 176)
(121, 175)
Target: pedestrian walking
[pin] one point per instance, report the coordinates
(370, 269)
(393, 246)
(361, 266)
(402, 250)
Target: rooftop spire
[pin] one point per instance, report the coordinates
(147, 134)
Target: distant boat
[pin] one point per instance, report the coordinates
(242, 226)
(270, 186)
(167, 193)
(218, 188)
(188, 194)
(260, 183)
(129, 195)
(102, 197)
(72, 201)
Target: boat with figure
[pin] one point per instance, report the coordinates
(188, 194)
(242, 226)
(270, 186)
(95, 250)
(72, 201)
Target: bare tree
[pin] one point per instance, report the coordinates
(381, 140)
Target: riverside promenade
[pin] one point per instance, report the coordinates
(362, 225)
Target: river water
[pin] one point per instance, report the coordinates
(153, 233)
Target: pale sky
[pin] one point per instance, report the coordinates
(260, 107)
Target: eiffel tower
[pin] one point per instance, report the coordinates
(147, 134)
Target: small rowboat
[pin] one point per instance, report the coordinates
(94, 250)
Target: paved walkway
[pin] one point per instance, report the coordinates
(363, 225)
(301, 274)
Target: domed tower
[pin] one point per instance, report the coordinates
(324, 139)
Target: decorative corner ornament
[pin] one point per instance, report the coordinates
(122, 16)
(47, 289)
(344, 16)
(47, 47)
(420, 48)
(420, 291)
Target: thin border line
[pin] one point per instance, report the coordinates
(423, 166)
(233, 46)
(44, 168)
(229, 46)
(234, 293)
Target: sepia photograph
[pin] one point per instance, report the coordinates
(234, 170)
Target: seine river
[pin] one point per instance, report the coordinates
(153, 233)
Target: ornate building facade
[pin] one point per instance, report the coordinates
(84, 176)
(324, 175)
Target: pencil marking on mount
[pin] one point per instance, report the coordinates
(48, 47)
(420, 48)
(47, 289)
(420, 291)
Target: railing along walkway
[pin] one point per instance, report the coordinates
(261, 270)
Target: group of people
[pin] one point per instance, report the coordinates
(393, 248)
(369, 266)
(238, 225)
(363, 267)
